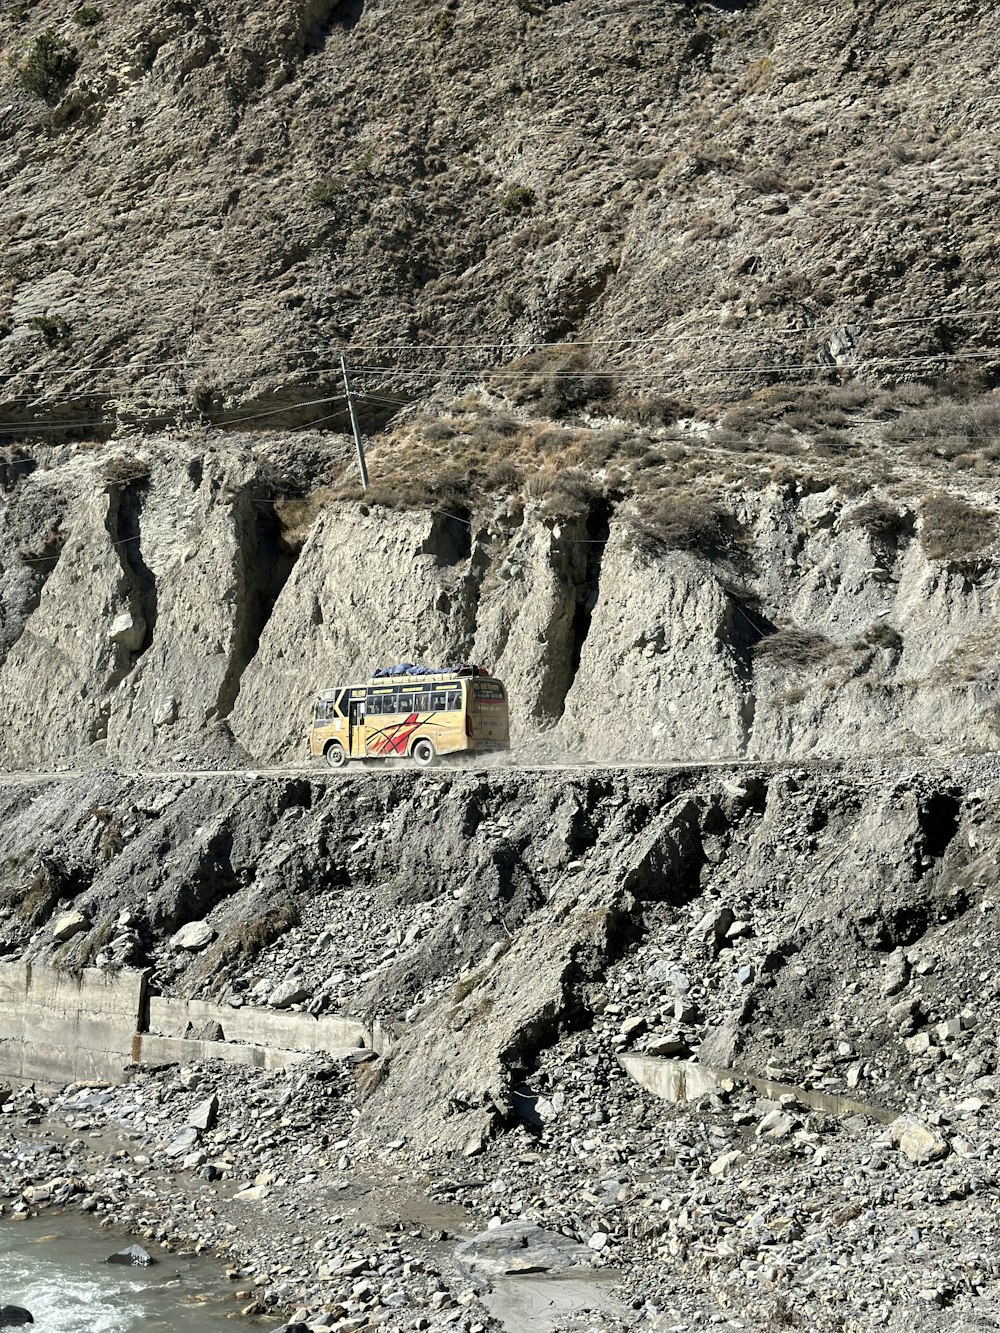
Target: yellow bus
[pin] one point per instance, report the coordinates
(415, 716)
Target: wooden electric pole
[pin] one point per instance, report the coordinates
(358, 444)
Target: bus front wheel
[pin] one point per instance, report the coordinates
(423, 754)
(335, 755)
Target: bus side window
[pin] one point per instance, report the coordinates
(439, 701)
(422, 702)
(454, 701)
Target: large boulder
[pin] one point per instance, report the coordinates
(68, 924)
(520, 1247)
(193, 937)
(14, 1316)
(134, 1255)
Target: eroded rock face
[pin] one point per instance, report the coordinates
(367, 589)
(661, 665)
(478, 916)
(178, 620)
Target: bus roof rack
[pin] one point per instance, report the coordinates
(409, 669)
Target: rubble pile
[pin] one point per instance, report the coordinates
(816, 944)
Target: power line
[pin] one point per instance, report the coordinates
(32, 428)
(522, 346)
(678, 370)
(485, 373)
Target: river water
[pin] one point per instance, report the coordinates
(54, 1267)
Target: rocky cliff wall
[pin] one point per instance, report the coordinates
(174, 614)
(202, 206)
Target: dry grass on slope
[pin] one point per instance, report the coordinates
(679, 485)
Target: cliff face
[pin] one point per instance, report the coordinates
(174, 612)
(202, 205)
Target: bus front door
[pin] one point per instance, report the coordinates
(356, 732)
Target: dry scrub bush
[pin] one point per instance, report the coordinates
(681, 521)
(646, 410)
(794, 648)
(880, 518)
(38, 898)
(111, 840)
(572, 494)
(123, 471)
(951, 528)
(435, 431)
(880, 635)
(297, 513)
(555, 381)
(948, 428)
(800, 407)
(401, 490)
(244, 940)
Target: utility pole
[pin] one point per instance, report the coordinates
(358, 445)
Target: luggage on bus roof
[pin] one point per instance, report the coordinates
(408, 669)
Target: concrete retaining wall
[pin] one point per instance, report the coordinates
(152, 1050)
(684, 1081)
(259, 1027)
(57, 1029)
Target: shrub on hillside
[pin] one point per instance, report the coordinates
(880, 518)
(329, 193)
(518, 199)
(554, 380)
(682, 521)
(54, 329)
(880, 635)
(126, 470)
(49, 66)
(572, 494)
(952, 528)
(794, 648)
(796, 406)
(976, 422)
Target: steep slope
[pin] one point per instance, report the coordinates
(516, 932)
(203, 205)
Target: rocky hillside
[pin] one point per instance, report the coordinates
(517, 932)
(202, 205)
(687, 201)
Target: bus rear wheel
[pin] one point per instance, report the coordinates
(335, 755)
(423, 754)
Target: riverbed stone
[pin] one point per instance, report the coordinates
(133, 1255)
(14, 1316)
(919, 1142)
(519, 1247)
(183, 1143)
(204, 1115)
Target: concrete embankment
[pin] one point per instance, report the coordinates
(57, 1028)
